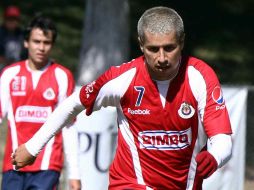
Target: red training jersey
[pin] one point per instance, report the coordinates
(157, 144)
(27, 98)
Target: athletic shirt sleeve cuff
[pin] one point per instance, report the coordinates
(31, 148)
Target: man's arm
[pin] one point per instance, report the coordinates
(219, 151)
(70, 140)
(61, 117)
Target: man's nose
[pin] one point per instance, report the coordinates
(42, 46)
(162, 57)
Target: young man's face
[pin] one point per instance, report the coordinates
(39, 47)
(162, 53)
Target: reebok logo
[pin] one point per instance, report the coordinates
(139, 111)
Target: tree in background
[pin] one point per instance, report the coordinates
(105, 42)
(105, 39)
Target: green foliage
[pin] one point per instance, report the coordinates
(217, 31)
(68, 16)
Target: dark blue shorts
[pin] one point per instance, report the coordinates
(42, 180)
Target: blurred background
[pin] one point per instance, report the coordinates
(219, 32)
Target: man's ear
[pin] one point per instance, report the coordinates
(182, 41)
(141, 44)
(25, 44)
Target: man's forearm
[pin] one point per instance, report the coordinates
(220, 147)
(61, 117)
(70, 139)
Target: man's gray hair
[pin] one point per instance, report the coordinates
(160, 20)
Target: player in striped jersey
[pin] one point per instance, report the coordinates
(29, 91)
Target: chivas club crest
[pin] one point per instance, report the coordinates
(49, 94)
(186, 111)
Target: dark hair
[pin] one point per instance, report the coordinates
(43, 23)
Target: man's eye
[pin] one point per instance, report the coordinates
(169, 48)
(47, 42)
(153, 49)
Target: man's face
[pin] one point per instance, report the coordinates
(39, 47)
(162, 53)
(11, 23)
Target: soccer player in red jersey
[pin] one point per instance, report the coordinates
(174, 129)
(29, 92)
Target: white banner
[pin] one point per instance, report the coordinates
(231, 176)
(97, 137)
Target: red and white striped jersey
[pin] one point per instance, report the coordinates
(28, 98)
(157, 144)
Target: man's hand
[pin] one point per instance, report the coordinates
(21, 157)
(75, 184)
(206, 164)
